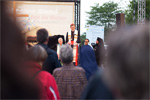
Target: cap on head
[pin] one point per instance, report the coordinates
(72, 25)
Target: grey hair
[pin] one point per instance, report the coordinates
(37, 53)
(60, 39)
(66, 54)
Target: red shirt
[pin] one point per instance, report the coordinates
(45, 81)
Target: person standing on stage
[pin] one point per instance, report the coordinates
(59, 45)
(73, 38)
(73, 35)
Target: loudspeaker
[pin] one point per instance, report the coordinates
(120, 20)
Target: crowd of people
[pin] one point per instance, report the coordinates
(42, 73)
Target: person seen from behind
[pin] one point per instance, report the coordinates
(52, 60)
(15, 84)
(127, 72)
(46, 82)
(70, 79)
(99, 52)
(88, 61)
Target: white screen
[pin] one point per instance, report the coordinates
(56, 17)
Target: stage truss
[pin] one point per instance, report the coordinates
(141, 12)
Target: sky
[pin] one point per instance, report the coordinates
(85, 6)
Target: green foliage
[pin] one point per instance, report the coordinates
(129, 12)
(148, 10)
(103, 15)
(82, 38)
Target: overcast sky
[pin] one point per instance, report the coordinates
(85, 6)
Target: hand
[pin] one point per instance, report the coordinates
(75, 43)
(69, 43)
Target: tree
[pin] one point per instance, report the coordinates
(103, 15)
(82, 38)
(129, 12)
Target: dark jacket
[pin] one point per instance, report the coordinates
(96, 89)
(100, 52)
(88, 60)
(52, 60)
(71, 81)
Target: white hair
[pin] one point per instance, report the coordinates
(60, 39)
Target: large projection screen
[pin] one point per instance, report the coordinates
(56, 17)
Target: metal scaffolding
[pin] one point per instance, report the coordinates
(141, 12)
(77, 14)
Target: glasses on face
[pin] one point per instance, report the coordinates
(85, 41)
